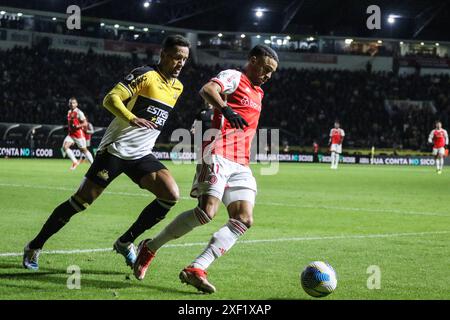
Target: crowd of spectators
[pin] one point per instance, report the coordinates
(35, 86)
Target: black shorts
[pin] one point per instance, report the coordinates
(107, 167)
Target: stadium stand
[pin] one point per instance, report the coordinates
(36, 83)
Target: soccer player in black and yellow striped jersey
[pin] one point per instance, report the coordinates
(141, 103)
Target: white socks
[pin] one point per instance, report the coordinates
(220, 243)
(439, 164)
(334, 159)
(181, 225)
(71, 156)
(88, 155)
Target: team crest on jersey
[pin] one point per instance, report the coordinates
(129, 77)
(104, 175)
(212, 180)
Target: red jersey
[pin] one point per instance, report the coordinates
(74, 119)
(439, 138)
(337, 135)
(246, 99)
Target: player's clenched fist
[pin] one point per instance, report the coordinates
(142, 123)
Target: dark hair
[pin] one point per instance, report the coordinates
(175, 40)
(261, 50)
(438, 121)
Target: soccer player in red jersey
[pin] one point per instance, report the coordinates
(336, 138)
(439, 138)
(224, 174)
(76, 122)
(88, 130)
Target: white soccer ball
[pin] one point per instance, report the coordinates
(318, 279)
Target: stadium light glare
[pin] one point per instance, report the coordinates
(258, 36)
(146, 4)
(116, 26)
(54, 18)
(220, 35)
(267, 41)
(379, 41)
(401, 42)
(102, 24)
(422, 44)
(145, 29)
(131, 27)
(19, 14)
(259, 13)
(136, 36)
(391, 19)
(242, 36)
(348, 41)
(437, 44)
(288, 38)
(2, 12)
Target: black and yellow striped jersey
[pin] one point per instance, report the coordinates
(144, 93)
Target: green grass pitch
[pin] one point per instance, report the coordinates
(396, 218)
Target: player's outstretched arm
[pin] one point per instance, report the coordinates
(210, 92)
(113, 102)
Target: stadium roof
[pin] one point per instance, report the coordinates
(414, 19)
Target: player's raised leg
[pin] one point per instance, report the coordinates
(241, 218)
(181, 225)
(80, 201)
(163, 186)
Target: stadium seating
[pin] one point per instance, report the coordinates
(35, 85)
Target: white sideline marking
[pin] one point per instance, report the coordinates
(192, 244)
(304, 206)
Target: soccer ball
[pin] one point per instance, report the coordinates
(318, 279)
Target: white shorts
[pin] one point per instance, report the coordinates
(81, 143)
(336, 148)
(439, 151)
(88, 143)
(225, 180)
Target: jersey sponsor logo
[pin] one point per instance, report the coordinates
(136, 82)
(245, 101)
(158, 116)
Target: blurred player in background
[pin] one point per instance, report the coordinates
(202, 122)
(439, 138)
(336, 138)
(203, 119)
(76, 122)
(224, 174)
(88, 130)
(141, 103)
